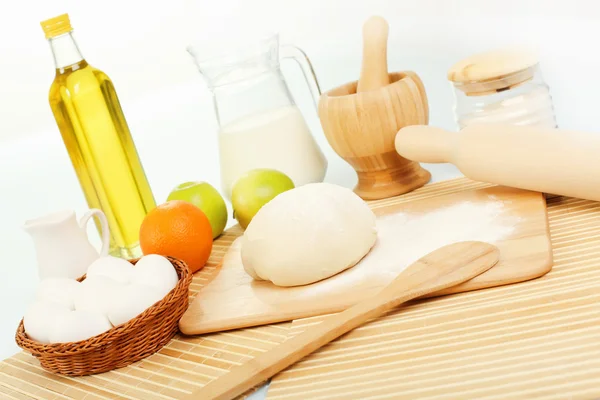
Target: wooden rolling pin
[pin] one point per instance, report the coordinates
(374, 70)
(545, 160)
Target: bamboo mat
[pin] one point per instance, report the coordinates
(538, 339)
(181, 367)
(570, 339)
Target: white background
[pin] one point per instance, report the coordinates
(142, 46)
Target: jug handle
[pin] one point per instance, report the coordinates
(295, 53)
(103, 223)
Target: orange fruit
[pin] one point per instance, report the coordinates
(178, 229)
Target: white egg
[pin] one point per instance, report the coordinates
(40, 318)
(156, 271)
(78, 325)
(57, 290)
(95, 294)
(114, 268)
(130, 301)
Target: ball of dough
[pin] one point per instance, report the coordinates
(308, 234)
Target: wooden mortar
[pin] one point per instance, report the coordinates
(361, 128)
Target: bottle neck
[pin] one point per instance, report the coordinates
(65, 51)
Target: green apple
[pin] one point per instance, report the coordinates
(204, 196)
(254, 189)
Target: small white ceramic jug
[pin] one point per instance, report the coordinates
(62, 246)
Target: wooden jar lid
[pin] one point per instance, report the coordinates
(493, 71)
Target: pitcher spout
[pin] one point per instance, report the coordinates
(235, 60)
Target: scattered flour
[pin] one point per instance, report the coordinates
(404, 238)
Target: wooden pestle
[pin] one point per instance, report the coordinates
(361, 118)
(374, 70)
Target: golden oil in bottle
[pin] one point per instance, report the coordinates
(94, 130)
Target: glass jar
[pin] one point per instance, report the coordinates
(504, 87)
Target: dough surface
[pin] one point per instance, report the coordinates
(308, 234)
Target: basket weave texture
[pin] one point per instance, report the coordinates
(122, 345)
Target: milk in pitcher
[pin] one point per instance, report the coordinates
(277, 139)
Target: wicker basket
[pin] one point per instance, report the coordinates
(122, 345)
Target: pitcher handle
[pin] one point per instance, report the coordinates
(295, 53)
(103, 223)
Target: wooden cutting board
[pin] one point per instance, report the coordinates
(409, 227)
(535, 340)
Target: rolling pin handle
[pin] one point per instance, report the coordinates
(425, 144)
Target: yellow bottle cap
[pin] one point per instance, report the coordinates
(56, 26)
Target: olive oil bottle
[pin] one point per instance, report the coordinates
(93, 128)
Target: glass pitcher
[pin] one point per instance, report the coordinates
(260, 126)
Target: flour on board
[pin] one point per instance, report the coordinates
(404, 238)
